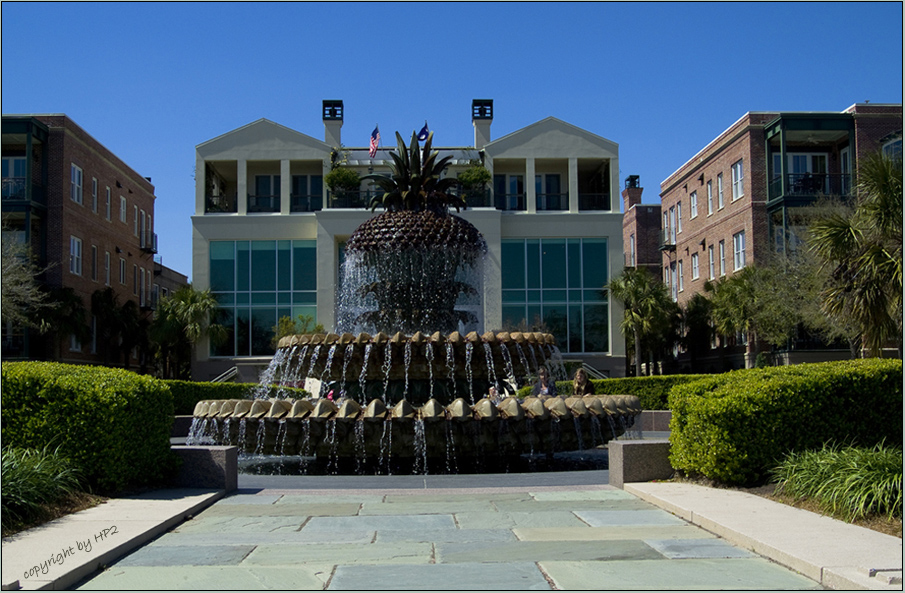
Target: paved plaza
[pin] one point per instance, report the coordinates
(440, 532)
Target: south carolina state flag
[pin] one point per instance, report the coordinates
(422, 135)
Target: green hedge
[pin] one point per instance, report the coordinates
(114, 425)
(187, 393)
(651, 391)
(736, 427)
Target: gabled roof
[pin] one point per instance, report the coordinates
(552, 138)
(262, 139)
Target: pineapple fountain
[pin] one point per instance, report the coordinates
(414, 382)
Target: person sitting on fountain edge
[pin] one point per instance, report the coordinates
(545, 386)
(581, 385)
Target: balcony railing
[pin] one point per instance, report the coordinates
(509, 202)
(349, 199)
(552, 202)
(306, 202)
(221, 203)
(593, 201)
(15, 189)
(667, 240)
(148, 242)
(810, 184)
(263, 203)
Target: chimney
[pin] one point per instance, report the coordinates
(481, 117)
(631, 195)
(333, 122)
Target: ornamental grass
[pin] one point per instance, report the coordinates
(847, 481)
(33, 478)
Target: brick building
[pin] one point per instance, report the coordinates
(640, 229)
(88, 218)
(738, 199)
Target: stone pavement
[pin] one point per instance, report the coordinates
(440, 532)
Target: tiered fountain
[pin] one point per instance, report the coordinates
(412, 379)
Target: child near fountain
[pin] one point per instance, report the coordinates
(581, 385)
(545, 386)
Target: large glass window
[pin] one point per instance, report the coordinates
(256, 283)
(557, 285)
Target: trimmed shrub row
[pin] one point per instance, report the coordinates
(114, 425)
(187, 393)
(735, 427)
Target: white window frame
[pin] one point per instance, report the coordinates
(678, 217)
(135, 279)
(719, 192)
(738, 250)
(695, 267)
(722, 258)
(106, 268)
(109, 204)
(122, 209)
(74, 344)
(122, 271)
(632, 251)
(135, 221)
(679, 275)
(75, 255)
(94, 194)
(673, 282)
(76, 179)
(710, 197)
(94, 263)
(141, 288)
(738, 180)
(693, 213)
(712, 263)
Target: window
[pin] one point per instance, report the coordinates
(74, 344)
(142, 291)
(93, 334)
(695, 270)
(711, 261)
(893, 148)
(108, 203)
(631, 243)
(679, 217)
(671, 226)
(144, 221)
(719, 191)
(738, 189)
(709, 198)
(673, 282)
(135, 279)
(509, 192)
(75, 187)
(14, 176)
(738, 250)
(107, 268)
(694, 205)
(94, 195)
(75, 255)
(557, 282)
(122, 271)
(122, 209)
(722, 258)
(679, 276)
(135, 221)
(94, 262)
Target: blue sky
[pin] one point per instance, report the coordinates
(150, 81)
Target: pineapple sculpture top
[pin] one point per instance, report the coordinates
(414, 267)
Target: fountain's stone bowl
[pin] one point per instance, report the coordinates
(322, 428)
(418, 362)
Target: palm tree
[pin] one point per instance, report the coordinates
(183, 319)
(863, 253)
(733, 308)
(64, 316)
(650, 313)
(105, 308)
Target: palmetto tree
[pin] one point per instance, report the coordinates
(863, 252)
(183, 319)
(649, 311)
(64, 316)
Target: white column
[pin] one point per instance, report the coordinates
(285, 186)
(573, 185)
(530, 192)
(614, 184)
(200, 189)
(242, 186)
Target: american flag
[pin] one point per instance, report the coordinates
(375, 139)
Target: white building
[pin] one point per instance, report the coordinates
(268, 235)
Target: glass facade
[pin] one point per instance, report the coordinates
(558, 283)
(256, 283)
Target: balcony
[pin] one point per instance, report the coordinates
(593, 201)
(220, 203)
(349, 199)
(148, 242)
(509, 202)
(15, 189)
(263, 203)
(306, 202)
(667, 240)
(552, 202)
(810, 185)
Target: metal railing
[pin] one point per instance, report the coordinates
(593, 201)
(221, 203)
(667, 240)
(263, 203)
(552, 202)
(509, 202)
(306, 202)
(15, 189)
(148, 242)
(226, 376)
(810, 184)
